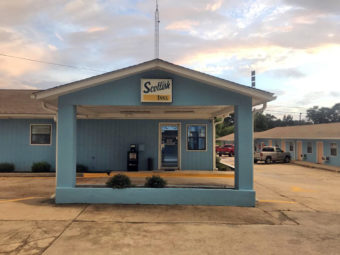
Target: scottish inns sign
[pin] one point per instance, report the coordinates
(156, 90)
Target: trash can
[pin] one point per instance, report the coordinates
(150, 164)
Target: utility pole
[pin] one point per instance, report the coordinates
(300, 117)
(157, 31)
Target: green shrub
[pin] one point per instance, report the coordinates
(41, 167)
(81, 168)
(7, 167)
(155, 182)
(119, 181)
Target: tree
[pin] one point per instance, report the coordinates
(263, 122)
(324, 114)
(287, 120)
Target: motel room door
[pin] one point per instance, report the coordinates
(299, 150)
(319, 146)
(169, 146)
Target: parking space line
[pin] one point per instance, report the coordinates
(277, 201)
(299, 189)
(18, 199)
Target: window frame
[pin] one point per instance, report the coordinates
(330, 149)
(40, 124)
(187, 137)
(311, 146)
(291, 146)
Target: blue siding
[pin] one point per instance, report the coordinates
(310, 157)
(333, 160)
(127, 92)
(15, 144)
(103, 144)
(197, 160)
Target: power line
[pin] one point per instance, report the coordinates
(51, 63)
(285, 112)
(284, 106)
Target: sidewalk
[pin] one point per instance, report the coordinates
(228, 161)
(319, 166)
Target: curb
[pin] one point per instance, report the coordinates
(317, 166)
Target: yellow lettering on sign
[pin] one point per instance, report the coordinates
(156, 97)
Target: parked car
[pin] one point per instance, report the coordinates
(227, 149)
(271, 154)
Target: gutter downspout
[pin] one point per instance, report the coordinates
(51, 109)
(264, 106)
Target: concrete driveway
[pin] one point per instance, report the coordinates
(298, 212)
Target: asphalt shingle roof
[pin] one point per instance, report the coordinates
(317, 131)
(14, 101)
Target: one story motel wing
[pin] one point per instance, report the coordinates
(167, 110)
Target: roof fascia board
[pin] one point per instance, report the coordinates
(91, 82)
(26, 116)
(217, 82)
(300, 138)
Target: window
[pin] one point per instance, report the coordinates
(41, 134)
(291, 146)
(279, 150)
(309, 147)
(334, 149)
(197, 137)
(270, 149)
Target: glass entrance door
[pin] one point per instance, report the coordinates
(169, 146)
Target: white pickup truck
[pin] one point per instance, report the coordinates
(271, 154)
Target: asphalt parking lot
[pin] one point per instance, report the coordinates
(297, 212)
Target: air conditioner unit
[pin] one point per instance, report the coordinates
(325, 158)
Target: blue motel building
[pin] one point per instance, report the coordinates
(168, 111)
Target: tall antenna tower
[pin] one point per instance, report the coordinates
(253, 79)
(157, 31)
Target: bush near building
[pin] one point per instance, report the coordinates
(119, 181)
(42, 166)
(7, 167)
(155, 182)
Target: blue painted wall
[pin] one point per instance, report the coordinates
(103, 144)
(310, 157)
(15, 144)
(127, 92)
(333, 160)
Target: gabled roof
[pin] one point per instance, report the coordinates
(20, 104)
(316, 131)
(258, 96)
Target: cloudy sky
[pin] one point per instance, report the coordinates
(294, 45)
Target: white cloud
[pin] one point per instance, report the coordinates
(52, 47)
(214, 6)
(293, 45)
